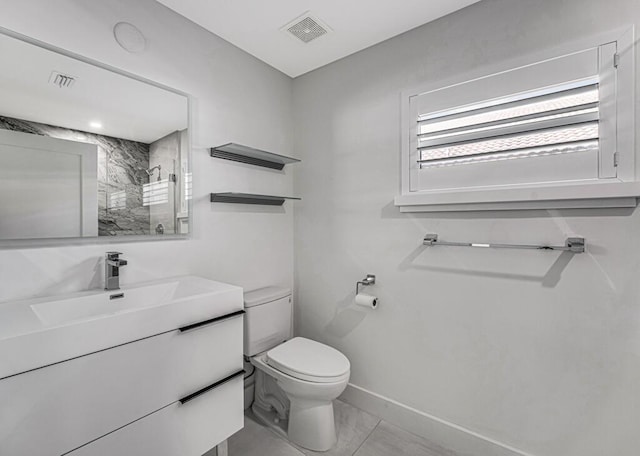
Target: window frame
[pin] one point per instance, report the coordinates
(619, 191)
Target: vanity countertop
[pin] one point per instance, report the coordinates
(42, 331)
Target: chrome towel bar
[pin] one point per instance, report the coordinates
(572, 244)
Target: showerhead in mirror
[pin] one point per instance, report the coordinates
(150, 172)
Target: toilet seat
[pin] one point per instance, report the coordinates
(308, 360)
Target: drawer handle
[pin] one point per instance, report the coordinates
(211, 320)
(192, 396)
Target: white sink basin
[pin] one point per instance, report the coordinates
(104, 304)
(43, 331)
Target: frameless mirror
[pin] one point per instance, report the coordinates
(87, 151)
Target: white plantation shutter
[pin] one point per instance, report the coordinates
(117, 200)
(563, 121)
(548, 122)
(155, 193)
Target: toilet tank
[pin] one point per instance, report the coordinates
(267, 321)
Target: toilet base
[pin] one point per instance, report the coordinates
(311, 424)
(270, 419)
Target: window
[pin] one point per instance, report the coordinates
(555, 123)
(563, 120)
(117, 200)
(155, 193)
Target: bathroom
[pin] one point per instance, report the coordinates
(469, 351)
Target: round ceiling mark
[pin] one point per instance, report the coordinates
(129, 37)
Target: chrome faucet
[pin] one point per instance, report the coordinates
(112, 264)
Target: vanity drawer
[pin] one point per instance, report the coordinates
(55, 409)
(188, 429)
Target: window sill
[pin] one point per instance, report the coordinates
(568, 196)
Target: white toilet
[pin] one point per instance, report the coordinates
(296, 379)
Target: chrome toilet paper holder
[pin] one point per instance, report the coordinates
(370, 279)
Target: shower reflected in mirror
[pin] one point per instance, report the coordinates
(88, 151)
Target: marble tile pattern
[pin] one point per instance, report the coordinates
(121, 168)
(359, 434)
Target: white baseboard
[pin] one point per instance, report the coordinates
(448, 435)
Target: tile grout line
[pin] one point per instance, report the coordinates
(367, 437)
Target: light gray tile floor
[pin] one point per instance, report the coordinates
(257, 440)
(387, 440)
(359, 434)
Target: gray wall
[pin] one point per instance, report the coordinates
(250, 247)
(536, 350)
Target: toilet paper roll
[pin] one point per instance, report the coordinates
(366, 300)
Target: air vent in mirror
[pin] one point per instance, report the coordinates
(64, 81)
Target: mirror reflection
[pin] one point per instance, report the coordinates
(86, 151)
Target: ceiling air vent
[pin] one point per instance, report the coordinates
(306, 28)
(64, 81)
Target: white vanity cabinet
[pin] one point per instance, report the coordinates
(186, 429)
(179, 392)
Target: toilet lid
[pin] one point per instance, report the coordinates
(309, 360)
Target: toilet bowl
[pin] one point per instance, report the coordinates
(296, 379)
(311, 375)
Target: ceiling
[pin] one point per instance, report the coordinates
(116, 105)
(255, 25)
